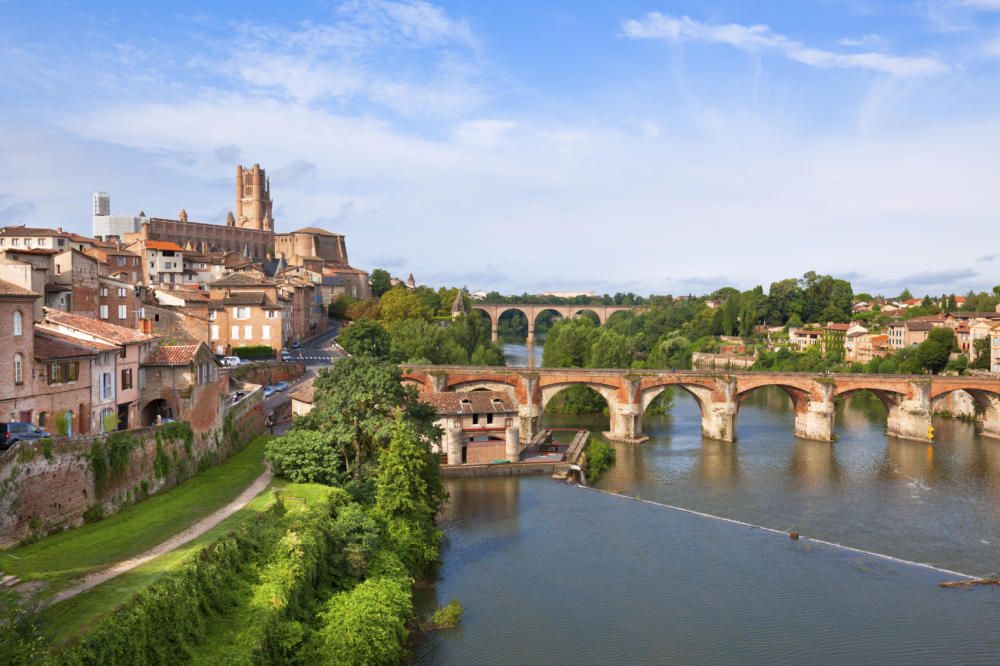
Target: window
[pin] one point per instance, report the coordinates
(121, 261)
(18, 323)
(59, 270)
(62, 242)
(142, 378)
(135, 261)
(123, 312)
(42, 418)
(272, 314)
(215, 332)
(104, 311)
(248, 332)
(168, 265)
(235, 333)
(211, 315)
(15, 242)
(18, 369)
(104, 291)
(242, 312)
(121, 292)
(265, 332)
(126, 379)
(475, 419)
(55, 373)
(489, 419)
(107, 385)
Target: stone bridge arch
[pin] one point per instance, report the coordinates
(987, 403)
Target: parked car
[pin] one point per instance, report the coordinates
(281, 386)
(296, 345)
(13, 432)
(238, 396)
(285, 355)
(269, 391)
(230, 361)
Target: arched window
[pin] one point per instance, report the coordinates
(18, 369)
(18, 323)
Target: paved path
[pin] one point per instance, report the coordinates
(195, 530)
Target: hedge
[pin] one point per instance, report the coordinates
(254, 351)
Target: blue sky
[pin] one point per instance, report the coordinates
(666, 147)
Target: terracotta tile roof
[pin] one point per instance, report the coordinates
(171, 355)
(334, 270)
(99, 329)
(187, 295)
(32, 250)
(470, 402)
(305, 393)
(21, 230)
(837, 327)
(240, 280)
(245, 298)
(314, 230)
(919, 325)
(10, 289)
(83, 347)
(163, 245)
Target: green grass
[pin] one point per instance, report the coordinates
(62, 558)
(64, 620)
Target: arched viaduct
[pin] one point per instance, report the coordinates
(909, 399)
(531, 312)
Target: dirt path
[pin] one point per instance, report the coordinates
(195, 530)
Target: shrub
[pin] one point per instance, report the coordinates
(254, 352)
(93, 514)
(449, 615)
(600, 457)
(62, 422)
(304, 456)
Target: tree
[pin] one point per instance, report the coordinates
(355, 403)
(611, 349)
(569, 343)
(980, 354)
(932, 353)
(400, 303)
(305, 456)
(366, 337)
(381, 282)
(408, 494)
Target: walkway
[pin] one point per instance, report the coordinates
(194, 531)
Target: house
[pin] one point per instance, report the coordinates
(850, 341)
(63, 383)
(245, 310)
(803, 338)
(17, 358)
(117, 302)
(482, 417)
(181, 382)
(303, 398)
(163, 261)
(22, 237)
(869, 346)
(116, 389)
(832, 339)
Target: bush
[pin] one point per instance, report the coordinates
(252, 352)
(448, 616)
(600, 457)
(94, 514)
(304, 456)
(367, 625)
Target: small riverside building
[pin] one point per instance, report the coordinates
(479, 426)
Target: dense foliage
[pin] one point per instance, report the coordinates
(600, 457)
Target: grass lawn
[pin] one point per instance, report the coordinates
(62, 558)
(64, 620)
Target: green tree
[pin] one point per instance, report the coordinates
(355, 403)
(611, 349)
(980, 354)
(366, 337)
(400, 303)
(305, 456)
(569, 343)
(381, 282)
(932, 353)
(408, 494)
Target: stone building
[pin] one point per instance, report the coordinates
(245, 311)
(478, 425)
(17, 356)
(311, 247)
(63, 380)
(253, 199)
(75, 276)
(181, 382)
(117, 303)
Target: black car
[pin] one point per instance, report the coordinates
(13, 432)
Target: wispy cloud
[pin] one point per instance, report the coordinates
(984, 5)
(870, 41)
(986, 258)
(761, 38)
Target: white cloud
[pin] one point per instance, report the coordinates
(871, 41)
(985, 5)
(760, 37)
(485, 133)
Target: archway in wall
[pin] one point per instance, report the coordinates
(544, 320)
(674, 412)
(588, 313)
(156, 408)
(767, 413)
(864, 408)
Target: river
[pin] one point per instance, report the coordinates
(552, 573)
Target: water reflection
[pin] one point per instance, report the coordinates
(813, 466)
(718, 465)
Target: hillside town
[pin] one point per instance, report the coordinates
(110, 331)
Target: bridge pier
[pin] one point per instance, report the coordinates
(718, 421)
(531, 332)
(816, 422)
(626, 424)
(495, 332)
(530, 417)
(910, 417)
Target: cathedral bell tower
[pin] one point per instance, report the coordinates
(253, 199)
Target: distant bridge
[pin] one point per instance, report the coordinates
(531, 312)
(909, 399)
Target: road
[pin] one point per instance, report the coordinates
(318, 351)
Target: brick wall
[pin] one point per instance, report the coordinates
(268, 373)
(40, 495)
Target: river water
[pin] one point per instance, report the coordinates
(552, 573)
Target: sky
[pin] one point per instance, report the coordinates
(653, 147)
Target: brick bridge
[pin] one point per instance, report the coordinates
(531, 312)
(909, 399)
